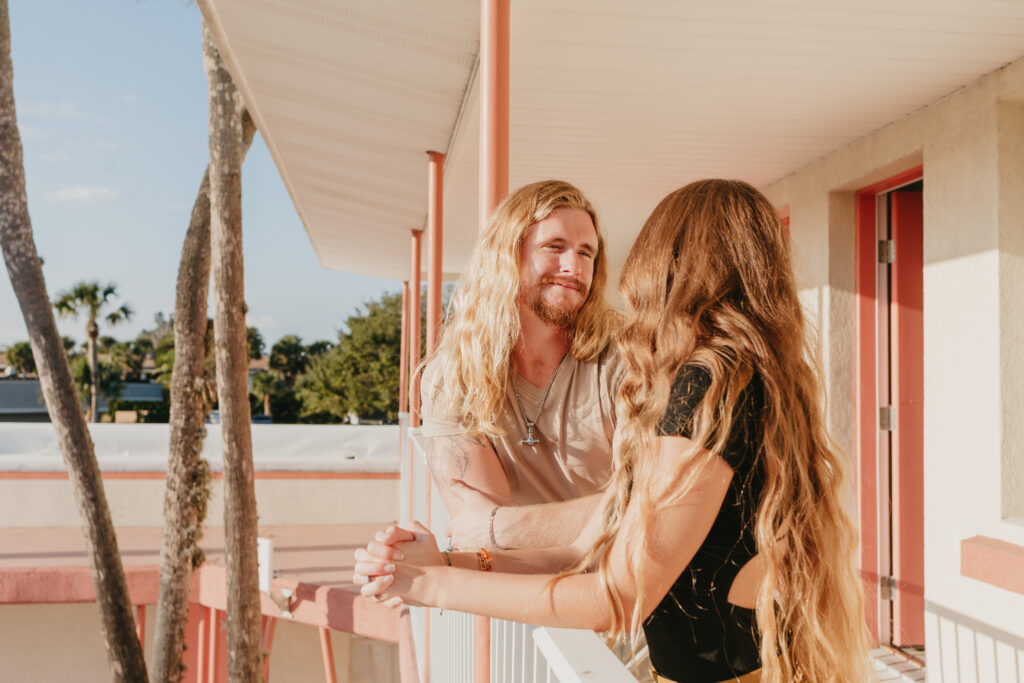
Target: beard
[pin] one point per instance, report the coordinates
(560, 315)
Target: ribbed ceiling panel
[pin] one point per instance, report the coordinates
(627, 100)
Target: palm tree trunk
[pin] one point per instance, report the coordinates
(243, 599)
(187, 491)
(92, 331)
(62, 401)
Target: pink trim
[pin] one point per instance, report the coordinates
(867, 408)
(907, 355)
(867, 389)
(284, 474)
(892, 182)
(994, 562)
(263, 474)
(23, 585)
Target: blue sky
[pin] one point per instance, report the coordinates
(112, 109)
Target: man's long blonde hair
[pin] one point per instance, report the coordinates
(709, 281)
(471, 366)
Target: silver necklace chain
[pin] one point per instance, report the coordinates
(530, 440)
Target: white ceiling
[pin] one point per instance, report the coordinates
(627, 100)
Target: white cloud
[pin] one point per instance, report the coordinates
(32, 133)
(58, 155)
(82, 193)
(64, 109)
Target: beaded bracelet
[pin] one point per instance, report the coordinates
(484, 559)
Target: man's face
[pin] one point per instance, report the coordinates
(556, 265)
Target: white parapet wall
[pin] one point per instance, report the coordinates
(305, 474)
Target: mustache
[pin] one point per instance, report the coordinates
(570, 281)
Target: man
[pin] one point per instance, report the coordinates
(518, 410)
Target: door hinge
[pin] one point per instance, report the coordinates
(888, 587)
(886, 251)
(885, 418)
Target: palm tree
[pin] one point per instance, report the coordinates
(26, 273)
(183, 358)
(90, 298)
(243, 599)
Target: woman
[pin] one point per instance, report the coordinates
(723, 532)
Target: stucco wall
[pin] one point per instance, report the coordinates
(139, 502)
(61, 642)
(972, 147)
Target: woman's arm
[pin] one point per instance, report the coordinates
(676, 531)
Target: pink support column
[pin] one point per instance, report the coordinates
(494, 105)
(414, 328)
(403, 361)
(213, 675)
(140, 624)
(494, 124)
(435, 233)
(328, 655)
(269, 624)
(202, 645)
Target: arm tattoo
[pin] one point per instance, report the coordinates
(448, 457)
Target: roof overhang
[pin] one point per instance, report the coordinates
(628, 101)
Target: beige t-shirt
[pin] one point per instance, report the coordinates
(575, 430)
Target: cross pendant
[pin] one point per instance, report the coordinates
(529, 440)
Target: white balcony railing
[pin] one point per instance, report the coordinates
(519, 653)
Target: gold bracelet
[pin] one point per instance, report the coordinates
(484, 559)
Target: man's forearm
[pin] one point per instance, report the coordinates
(543, 526)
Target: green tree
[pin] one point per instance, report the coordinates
(318, 347)
(254, 342)
(289, 358)
(111, 379)
(360, 374)
(89, 299)
(20, 357)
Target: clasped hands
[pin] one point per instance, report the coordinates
(398, 566)
(402, 566)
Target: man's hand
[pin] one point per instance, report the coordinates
(470, 526)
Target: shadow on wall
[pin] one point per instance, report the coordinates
(965, 650)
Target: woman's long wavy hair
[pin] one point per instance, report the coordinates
(709, 281)
(482, 324)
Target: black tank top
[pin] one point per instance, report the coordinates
(695, 635)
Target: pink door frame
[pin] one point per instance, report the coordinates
(907, 338)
